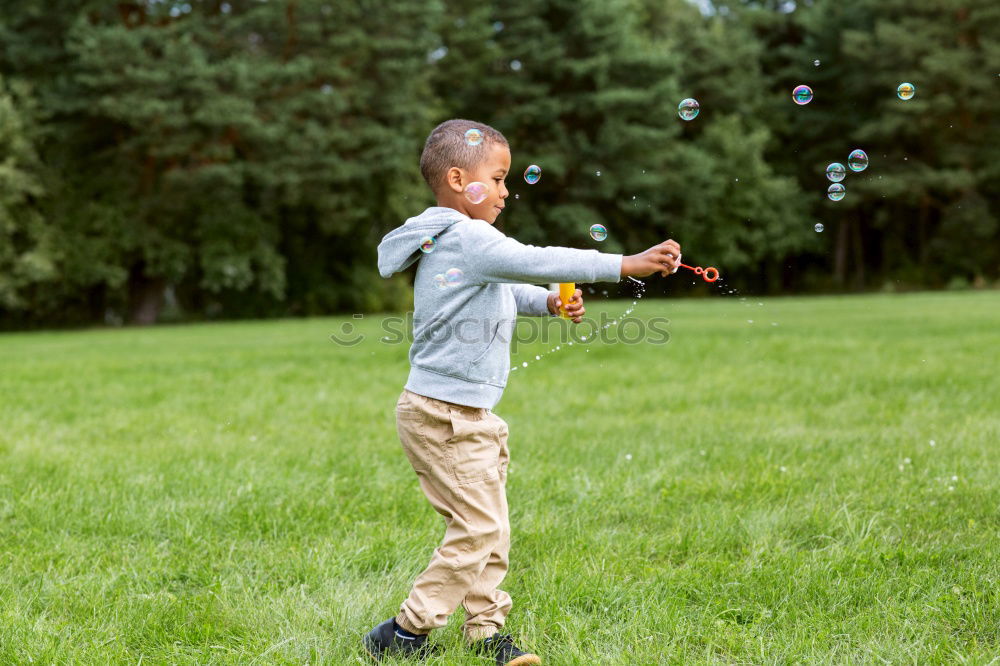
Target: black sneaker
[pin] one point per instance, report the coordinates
(501, 646)
(383, 640)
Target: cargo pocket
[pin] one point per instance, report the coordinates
(409, 425)
(420, 428)
(503, 460)
(473, 450)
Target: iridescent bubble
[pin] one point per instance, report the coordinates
(474, 136)
(906, 91)
(454, 277)
(532, 174)
(818, 228)
(598, 232)
(688, 109)
(836, 172)
(802, 95)
(427, 244)
(836, 192)
(439, 281)
(858, 160)
(476, 192)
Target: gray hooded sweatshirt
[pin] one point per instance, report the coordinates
(463, 322)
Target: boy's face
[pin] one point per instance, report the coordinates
(492, 172)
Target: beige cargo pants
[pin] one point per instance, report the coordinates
(460, 456)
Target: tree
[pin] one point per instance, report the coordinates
(589, 91)
(247, 156)
(233, 149)
(921, 213)
(575, 91)
(28, 254)
(733, 206)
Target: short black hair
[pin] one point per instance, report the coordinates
(447, 147)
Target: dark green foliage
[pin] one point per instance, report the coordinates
(249, 154)
(597, 92)
(27, 253)
(243, 158)
(923, 212)
(575, 90)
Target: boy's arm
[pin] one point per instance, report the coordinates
(498, 258)
(531, 300)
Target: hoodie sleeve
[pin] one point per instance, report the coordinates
(498, 258)
(531, 300)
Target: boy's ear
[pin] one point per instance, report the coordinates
(455, 180)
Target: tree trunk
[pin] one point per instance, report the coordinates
(145, 296)
(840, 257)
(859, 255)
(96, 303)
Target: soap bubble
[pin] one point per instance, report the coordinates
(816, 63)
(532, 174)
(474, 136)
(836, 192)
(857, 160)
(597, 173)
(439, 281)
(906, 91)
(802, 95)
(454, 277)
(818, 228)
(598, 232)
(427, 244)
(835, 172)
(688, 109)
(476, 192)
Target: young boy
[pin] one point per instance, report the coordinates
(471, 283)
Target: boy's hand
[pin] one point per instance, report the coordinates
(574, 308)
(663, 259)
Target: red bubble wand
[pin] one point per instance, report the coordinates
(710, 274)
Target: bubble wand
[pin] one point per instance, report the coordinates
(709, 274)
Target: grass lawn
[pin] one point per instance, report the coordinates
(825, 489)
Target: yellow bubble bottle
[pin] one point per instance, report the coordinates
(566, 290)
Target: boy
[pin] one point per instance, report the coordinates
(471, 283)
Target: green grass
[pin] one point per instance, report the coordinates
(747, 493)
